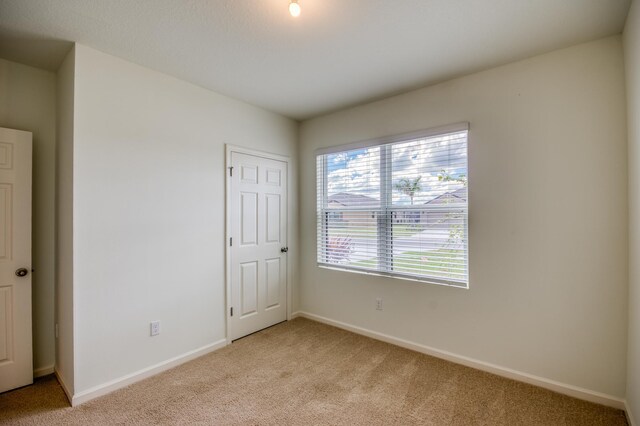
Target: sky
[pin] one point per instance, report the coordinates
(358, 171)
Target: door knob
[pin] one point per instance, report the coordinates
(22, 272)
(284, 249)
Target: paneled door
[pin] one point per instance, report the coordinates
(16, 358)
(257, 231)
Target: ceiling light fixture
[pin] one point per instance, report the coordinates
(294, 8)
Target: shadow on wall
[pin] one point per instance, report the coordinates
(33, 50)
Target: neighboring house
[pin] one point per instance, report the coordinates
(434, 217)
(346, 200)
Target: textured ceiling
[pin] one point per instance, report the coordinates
(336, 54)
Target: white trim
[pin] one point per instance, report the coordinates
(257, 153)
(63, 385)
(108, 387)
(227, 252)
(227, 230)
(43, 371)
(420, 134)
(563, 388)
(627, 411)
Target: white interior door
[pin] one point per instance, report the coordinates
(258, 234)
(16, 357)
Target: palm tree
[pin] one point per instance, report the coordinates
(409, 187)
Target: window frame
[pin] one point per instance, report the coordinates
(385, 210)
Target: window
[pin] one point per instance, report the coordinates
(397, 207)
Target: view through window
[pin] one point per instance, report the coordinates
(397, 208)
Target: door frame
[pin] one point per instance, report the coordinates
(229, 148)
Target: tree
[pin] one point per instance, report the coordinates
(456, 231)
(445, 176)
(409, 187)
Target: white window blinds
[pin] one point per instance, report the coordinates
(397, 207)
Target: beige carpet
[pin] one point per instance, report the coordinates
(303, 372)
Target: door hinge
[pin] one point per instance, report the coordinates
(230, 241)
(231, 171)
(231, 311)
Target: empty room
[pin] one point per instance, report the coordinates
(265, 212)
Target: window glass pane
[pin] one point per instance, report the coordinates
(425, 169)
(353, 178)
(351, 238)
(429, 199)
(430, 243)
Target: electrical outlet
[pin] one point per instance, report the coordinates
(155, 328)
(379, 304)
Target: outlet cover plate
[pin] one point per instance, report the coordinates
(379, 304)
(155, 328)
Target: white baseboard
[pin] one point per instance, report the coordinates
(65, 388)
(563, 388)
(43, 371)
(105, 388)
(627, 410)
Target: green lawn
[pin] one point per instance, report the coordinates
(404, 230)
(399, 230)
(355, 232)
(443, 263)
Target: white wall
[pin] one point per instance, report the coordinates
(149, 173)
(27, 102)
(64, 222)
(632, 62)
(548, 220)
